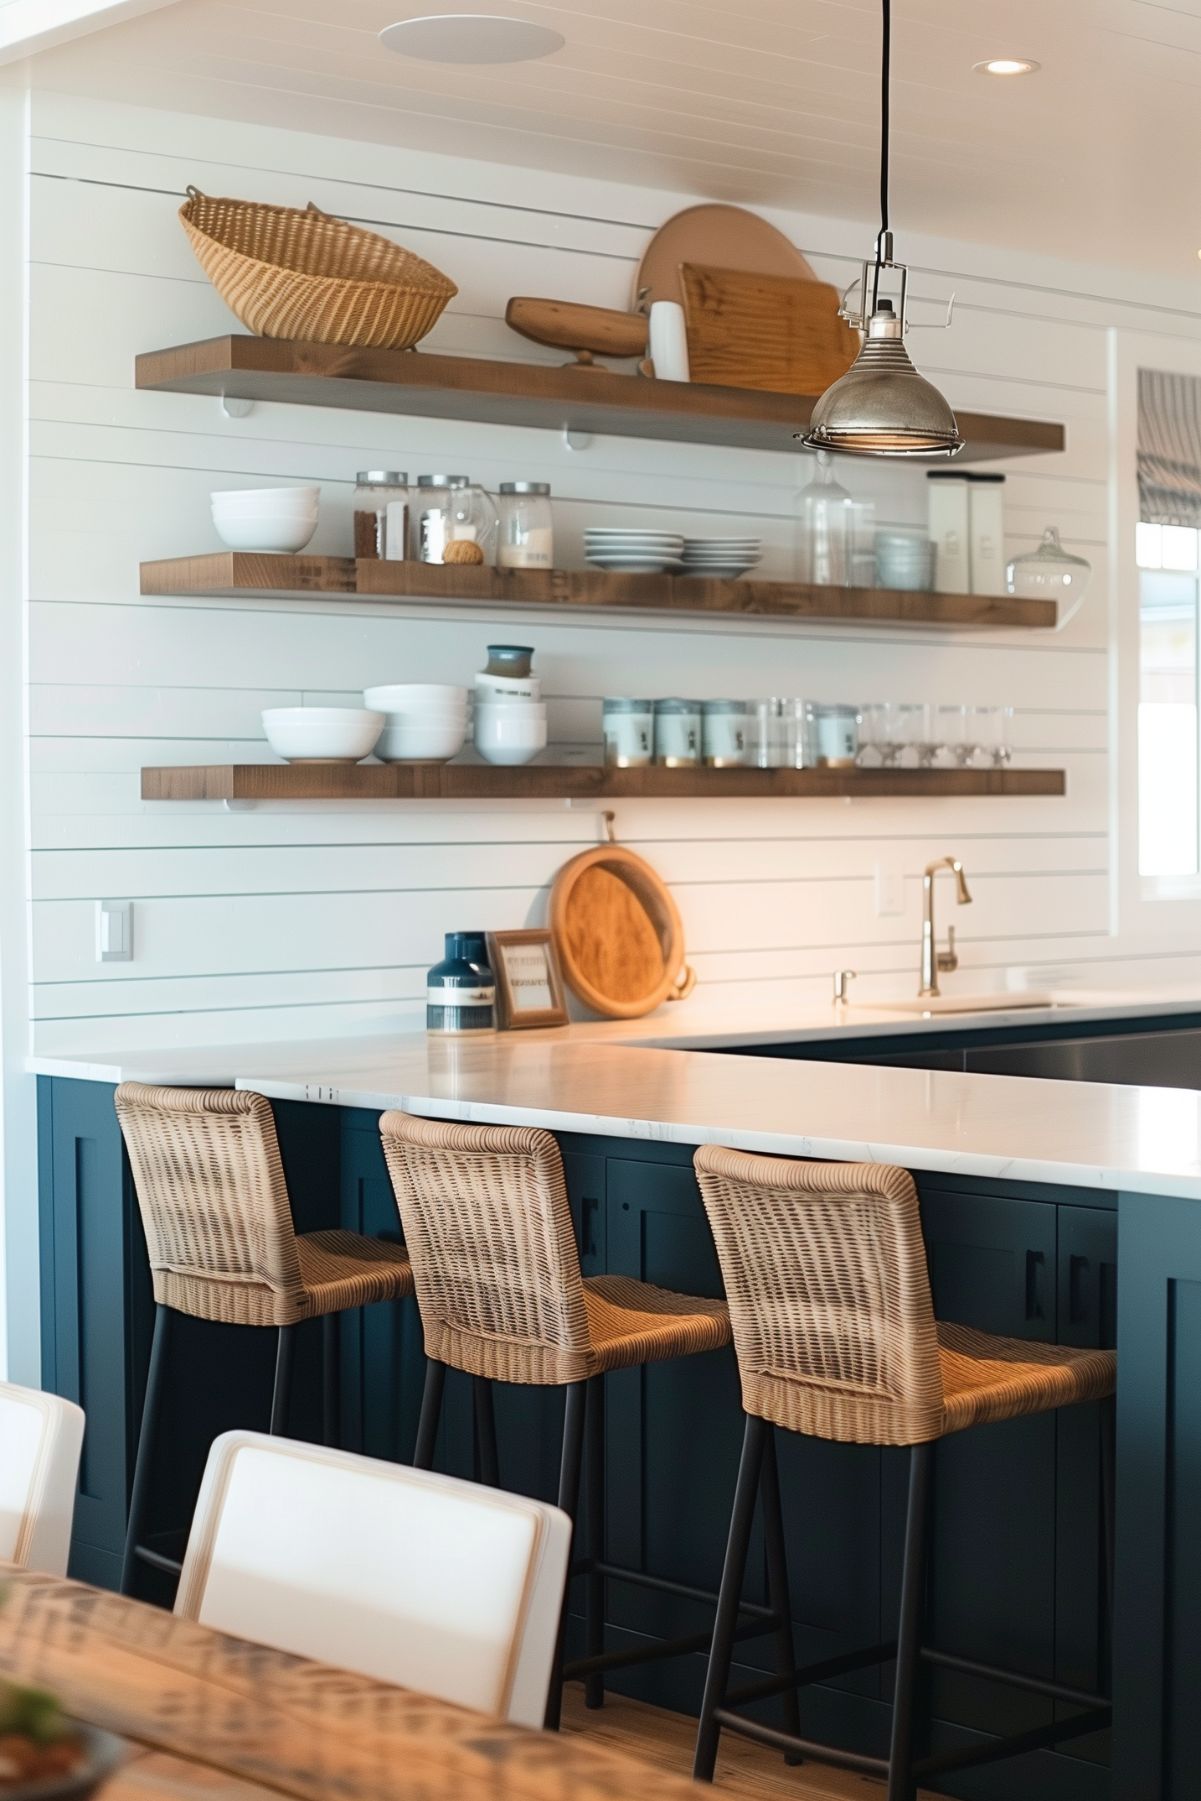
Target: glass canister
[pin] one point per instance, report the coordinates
(526, 535)
(452, 510)
(678, 733)
(375, 491)
(726, 733)
(628, 728)
(832, 734)
(1048, 573)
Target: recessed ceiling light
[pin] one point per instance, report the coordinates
(470, 38)
(1007, 65)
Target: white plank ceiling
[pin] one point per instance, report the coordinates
(775, 103)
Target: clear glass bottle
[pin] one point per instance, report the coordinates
(451, 509)
(375, 490)
(526, 537)
(826, 527)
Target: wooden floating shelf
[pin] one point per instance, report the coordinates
(524, 394)
(559, 781)
(237, 574)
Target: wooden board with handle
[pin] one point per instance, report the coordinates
(587, 330)
(618, 933)
(764, 331)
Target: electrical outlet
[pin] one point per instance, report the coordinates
(114, 931)
(890, 891)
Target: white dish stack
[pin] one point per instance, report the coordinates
(510, 718)
(626, 550)
(722, 559)
(275, 519)
(424, 722)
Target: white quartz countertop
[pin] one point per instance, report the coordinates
(642, 1080)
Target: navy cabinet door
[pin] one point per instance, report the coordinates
(992, 1266)
(1087, 1316)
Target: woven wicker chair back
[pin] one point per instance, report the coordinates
(829, 1293)
(214, 1202)
(489, 1233)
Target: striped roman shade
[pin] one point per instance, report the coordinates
(1169, 448)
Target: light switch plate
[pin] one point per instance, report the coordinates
(114, 931)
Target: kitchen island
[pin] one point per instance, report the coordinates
(1035, 1194)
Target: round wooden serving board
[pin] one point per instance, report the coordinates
(618, 933)
(724, 237)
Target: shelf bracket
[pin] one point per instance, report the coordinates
(575, 440)
(234, 407)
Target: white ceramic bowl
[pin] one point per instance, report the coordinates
(275, 500)
(502, 738)
(433, 742)
(405, 697)
(322, 734)
(286, 532)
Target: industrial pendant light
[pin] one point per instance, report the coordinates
(882, 407)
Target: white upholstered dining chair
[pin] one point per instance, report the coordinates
(435, 1584)
(41, 1437)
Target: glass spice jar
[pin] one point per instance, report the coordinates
(375, 490)
(526, 537)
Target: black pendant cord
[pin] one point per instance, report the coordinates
(885, 62)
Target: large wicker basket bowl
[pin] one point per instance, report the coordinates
(288, 273)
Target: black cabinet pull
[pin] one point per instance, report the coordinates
(1035, 1261)
(1077, 1305)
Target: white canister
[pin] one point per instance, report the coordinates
(668, 340)
(629, 732)
(986, 505)
(950, 532)
(833, 734)
(678, 733)
(726, 733)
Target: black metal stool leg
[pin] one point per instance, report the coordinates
(282, 1389)
(594, 1520)
(151, 1407)
(431, 1409)
(331, 1379)
(487, 1455)
(569, 1496)
(901, 1784)
(721, 1654)
(778, 1596)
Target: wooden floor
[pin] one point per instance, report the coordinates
(750, 1771)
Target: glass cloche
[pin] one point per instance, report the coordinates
(1049, 573)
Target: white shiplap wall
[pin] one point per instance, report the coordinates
(302, 920)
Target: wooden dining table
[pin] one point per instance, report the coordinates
(208, 1716)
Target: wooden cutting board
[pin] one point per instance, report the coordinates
(720, 237)
(764, 331)
(618, 933)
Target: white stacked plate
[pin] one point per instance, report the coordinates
(725, 559)
(629, 551)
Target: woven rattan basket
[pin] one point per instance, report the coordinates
(293, 274)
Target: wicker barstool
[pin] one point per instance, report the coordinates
(834, 1330)
(214, 1203)
(497, 1273)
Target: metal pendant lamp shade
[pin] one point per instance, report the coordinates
(882, 406)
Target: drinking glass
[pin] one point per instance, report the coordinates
(887, 731)
(954, 732)
(919, 734)
(994, 730)
(777, 731)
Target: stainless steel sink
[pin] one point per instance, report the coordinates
(1020, 1000)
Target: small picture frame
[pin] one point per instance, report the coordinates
(529, 987)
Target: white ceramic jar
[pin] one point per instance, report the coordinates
(628, 727)
(726, 733)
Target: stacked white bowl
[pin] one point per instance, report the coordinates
(510, 718)
(279, 519)
(424, 722)
(322, 734)
(724, 559)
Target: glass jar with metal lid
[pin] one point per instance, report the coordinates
(526, 537)
(452, 510)
(375, 490)
(678, 733)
